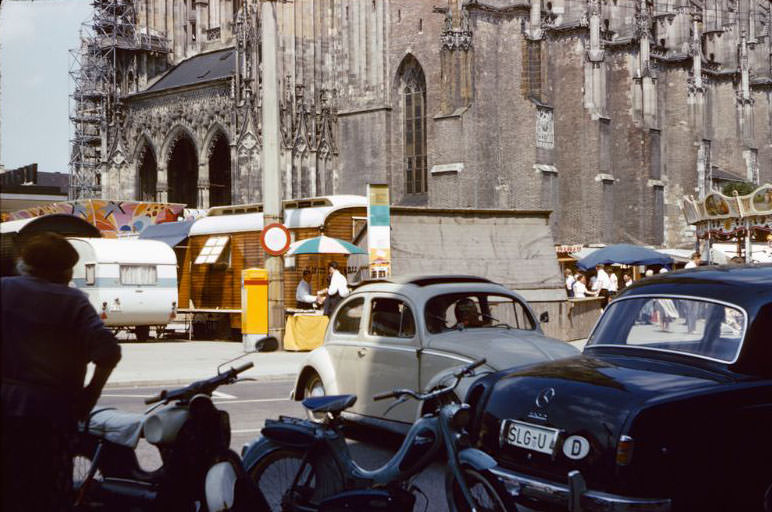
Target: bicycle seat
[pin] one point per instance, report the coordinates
(332, 404)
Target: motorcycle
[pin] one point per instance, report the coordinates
(300, 465)
(199, 470)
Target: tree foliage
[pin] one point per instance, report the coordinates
(742, 188)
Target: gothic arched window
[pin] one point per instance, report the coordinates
(413, 88)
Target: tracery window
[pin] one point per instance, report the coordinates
(414, 135)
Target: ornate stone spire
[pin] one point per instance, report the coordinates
(456, 34)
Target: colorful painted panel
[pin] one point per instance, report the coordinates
(110, 217)
(723, 217)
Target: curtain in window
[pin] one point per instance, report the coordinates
(90, 274)
(139, 274)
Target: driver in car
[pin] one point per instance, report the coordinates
(466, 313)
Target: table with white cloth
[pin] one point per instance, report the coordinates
(304, 329)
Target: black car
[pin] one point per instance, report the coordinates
(669, 407)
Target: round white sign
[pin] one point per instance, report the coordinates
(275, 239)
(576, 447)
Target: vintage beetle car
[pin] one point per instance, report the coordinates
(406, 333)
(669, 407)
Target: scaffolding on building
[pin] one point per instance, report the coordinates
(103, 69)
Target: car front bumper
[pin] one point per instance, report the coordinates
(573, 494)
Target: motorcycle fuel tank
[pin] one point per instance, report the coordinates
(162, 427)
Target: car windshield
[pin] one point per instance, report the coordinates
(673, 324)
(476, 310)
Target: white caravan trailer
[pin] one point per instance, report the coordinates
(131, 283)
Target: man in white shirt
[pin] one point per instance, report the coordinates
(614, 286)
(602, 283)
(695, 261)
(337, 290)
(569, 282)
(303, 295)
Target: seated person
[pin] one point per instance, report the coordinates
(303, 295)
(466, 313)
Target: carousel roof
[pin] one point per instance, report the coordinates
(723, 216)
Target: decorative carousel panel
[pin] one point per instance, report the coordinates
(762, 200)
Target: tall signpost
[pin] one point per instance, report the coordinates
(272, 196)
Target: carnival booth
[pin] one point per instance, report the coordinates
(743, 220)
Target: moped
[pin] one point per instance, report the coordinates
(301, 465)
(199, 470)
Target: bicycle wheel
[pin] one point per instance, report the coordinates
(275, 473)
(81, 465)
(484, 494)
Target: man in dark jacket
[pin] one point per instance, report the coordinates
(50, 332)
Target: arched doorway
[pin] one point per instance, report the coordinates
(220, 172)
(183, 173)
(147, 172)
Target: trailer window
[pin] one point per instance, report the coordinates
(90, 274)
(139, 275)
(212, 250)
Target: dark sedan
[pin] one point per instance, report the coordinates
(668, 408)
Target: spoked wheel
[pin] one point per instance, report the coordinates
(484, 494)
(275, 473)
(81, 465)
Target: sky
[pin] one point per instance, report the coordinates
(35, 38)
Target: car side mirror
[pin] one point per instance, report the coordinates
(544, 317)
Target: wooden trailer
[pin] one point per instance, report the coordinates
(227, 241)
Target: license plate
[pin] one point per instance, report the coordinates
(529, 436)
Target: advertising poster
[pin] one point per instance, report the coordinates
(379, 231)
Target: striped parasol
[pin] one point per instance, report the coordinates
(323, 245)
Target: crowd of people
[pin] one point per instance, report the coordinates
(605, 281)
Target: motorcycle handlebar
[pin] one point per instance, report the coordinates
(384, 396)
(203, 386)
(244, 367)
(466, 370)
(463, 372)
(155, 398)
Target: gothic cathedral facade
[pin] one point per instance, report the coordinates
(606, 112)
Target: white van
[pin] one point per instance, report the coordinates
(131, 283)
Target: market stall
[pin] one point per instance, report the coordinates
(305, 328)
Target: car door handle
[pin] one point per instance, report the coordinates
(361, 352)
